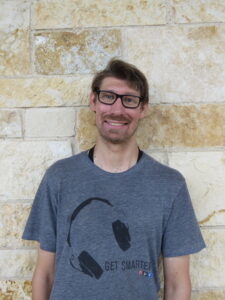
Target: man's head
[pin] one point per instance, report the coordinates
(119, 98)
(125, 71)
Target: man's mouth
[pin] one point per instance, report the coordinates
(113, 123)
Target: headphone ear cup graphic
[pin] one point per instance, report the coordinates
(121, 234)
(89, 266)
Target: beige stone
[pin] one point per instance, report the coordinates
(86, 129)
(22, 165)
(207, 267)
(47, 122)
(82, 51)
(86, 13)
(14, 37)
(209, 295)
(182, 63)
(14, 14)
(17, 263)
(13, 217)
(10, 123)
(34, 92)
(183, 126)
(14, 52)
(194, 11)
(205, 176)
(15, 290)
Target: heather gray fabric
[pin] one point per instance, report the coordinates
(109, 229)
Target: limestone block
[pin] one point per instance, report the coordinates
(14, 37)
(22, 165)
(183, 126)
(34, 92)
(46, 122)
(13, 217)
(209, 295)
(193, 11)
(83, 51)
(17, 263)
(70, 13)
(205, 176)
(15, 290)
(10, 123)
(207, 267)
(183, 64)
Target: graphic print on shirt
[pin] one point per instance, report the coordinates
(87, 264)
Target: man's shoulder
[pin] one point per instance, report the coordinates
(66, 165)
(158, 169)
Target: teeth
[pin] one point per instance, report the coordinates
(116, 124)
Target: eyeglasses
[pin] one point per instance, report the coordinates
(109, 98)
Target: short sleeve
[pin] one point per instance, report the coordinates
(182, 235)
(41, 223)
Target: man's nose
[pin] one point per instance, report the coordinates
(118, 105)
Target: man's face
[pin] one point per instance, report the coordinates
(115, 123)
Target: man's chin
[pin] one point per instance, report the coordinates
(116, 140)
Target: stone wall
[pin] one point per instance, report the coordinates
(49, 50)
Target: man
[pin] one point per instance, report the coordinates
(104, 217)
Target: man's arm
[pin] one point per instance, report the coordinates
(177, 283)
(43, 275)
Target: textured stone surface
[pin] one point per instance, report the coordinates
(14, 37)
(46, 92)
(49, 122)
(15, 290)
(86, 129)
(184, 126)
(10, 123)
(76, 13)
(82, 51)
(207, 267)
(17, 263)
(169, 126)
(13, 217)
(22, 165)
(198, 11)
(183, 64)
(205, 176)
(208, 295)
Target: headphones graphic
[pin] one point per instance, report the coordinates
(88, 265)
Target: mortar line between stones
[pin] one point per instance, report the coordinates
(22, 278)
(118, 27)
(205, 289)
(86, 105)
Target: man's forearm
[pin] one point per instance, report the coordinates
(178, 293)
(41, 288)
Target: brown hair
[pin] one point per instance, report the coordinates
(125, 71)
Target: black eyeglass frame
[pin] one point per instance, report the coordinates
(141, 99)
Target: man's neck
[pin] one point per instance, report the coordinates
(115, 158)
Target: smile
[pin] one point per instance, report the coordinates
(115, 123)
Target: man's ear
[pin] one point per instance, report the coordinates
(144, 109)
(92, 101)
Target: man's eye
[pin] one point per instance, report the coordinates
(130, 100)
(108, 96)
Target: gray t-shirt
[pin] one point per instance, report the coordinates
(108, 230)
